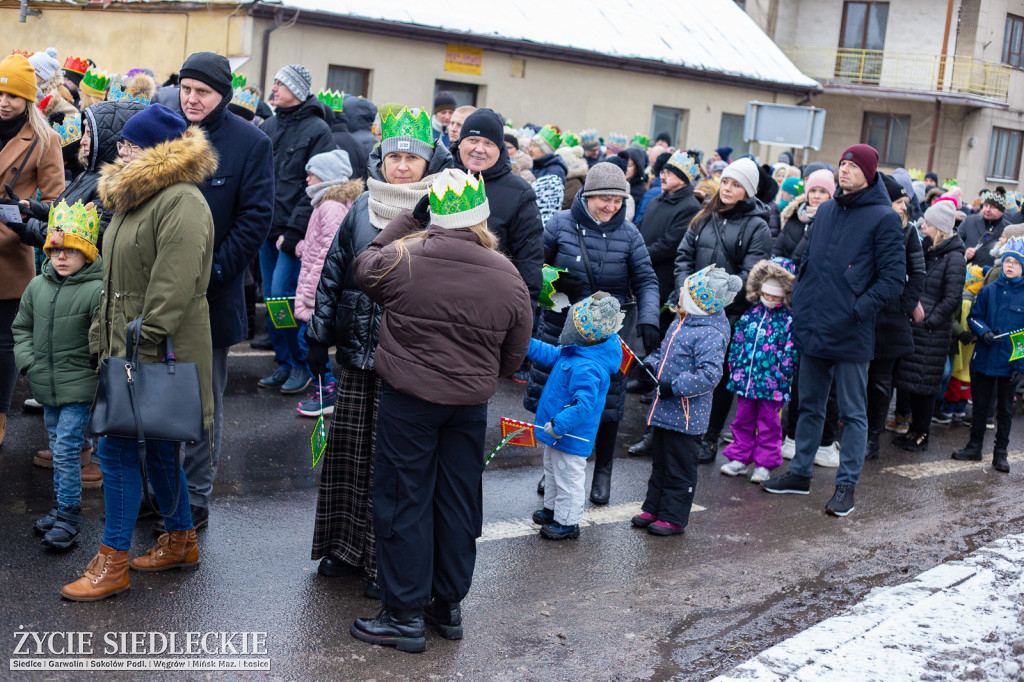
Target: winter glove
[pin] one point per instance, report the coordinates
(549, 429)
(988, 338)
(571, 285)
(17, 228)
(317, 359)
(35, 209)
(94, 361)
(665, 389)
(1016, 379)
(965, 338)
(422, 211)
(650, 335)
(288, 242)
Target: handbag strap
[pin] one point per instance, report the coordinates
(586, 258)
(17, 173)
(140, 444)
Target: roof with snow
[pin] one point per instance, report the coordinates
(701, 36)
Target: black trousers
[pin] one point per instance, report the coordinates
(922, 407)
(831, 427)
(8, 370)
(986, 389)
(880, 373)
(673, 480)
(427, 498)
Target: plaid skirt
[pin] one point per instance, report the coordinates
(344, 510)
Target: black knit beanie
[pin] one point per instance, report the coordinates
(210, 68)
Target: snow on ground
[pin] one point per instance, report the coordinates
(962, 620)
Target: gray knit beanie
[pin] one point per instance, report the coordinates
(606, 179)
(330, 166)
(591, 321)
(743, 171)
(941, 215)
(296, 78)
(45, 63)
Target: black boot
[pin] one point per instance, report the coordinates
(372, 589)
(999, 462)
(400, 628)
(65, 528)
(445, 617)
(540, 484)
(43, 525)
(604, 454)
(874, 448)
(708, 448)
(970, 453)
(644, 446)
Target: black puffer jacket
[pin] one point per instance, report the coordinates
(297, 136)
(793, 232)
(921, 371)
(344, 316)
(621, 267)
(894, 337)
(105, 121)
(338, 123)
(515, 218)
(663, 226)
(637, 184)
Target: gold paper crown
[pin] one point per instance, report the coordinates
(24, 53)
(117, 93)
(70, 130)
(95, 83)
(79, 227)
(76, 65)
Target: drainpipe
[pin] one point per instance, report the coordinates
(942, 74)
(278, 23)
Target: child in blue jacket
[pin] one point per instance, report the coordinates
(571, 404)
(688, 366)
(998, 309)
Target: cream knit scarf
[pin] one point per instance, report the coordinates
(387, 200)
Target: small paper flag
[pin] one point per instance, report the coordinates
(280, 311)
(1017, 339)
(526, 438)
(318, 440)
(627, 357)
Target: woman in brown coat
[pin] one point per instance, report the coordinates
(31, 162)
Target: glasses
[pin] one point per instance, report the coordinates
(67, 252)
(126, 147)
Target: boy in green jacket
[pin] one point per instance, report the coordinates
(51, 347)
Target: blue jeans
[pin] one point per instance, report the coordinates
(122, 487)
(66, 426)
(851, 390)
(280, 274)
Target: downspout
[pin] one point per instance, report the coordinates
(939, 86)
(278, 23)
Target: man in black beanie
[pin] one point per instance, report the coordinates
(515, 217)
(241, 198)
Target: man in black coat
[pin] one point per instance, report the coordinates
(241, 199)
(361, 113)
(515, 218)
(298, 131)
(981, 231)
(345, 140)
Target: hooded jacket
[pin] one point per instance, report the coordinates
(361, 113)
(550, 164)
(637, 185)
(575, 392)
(515, 218)
(157, 255)
(856, 262)
(999, 308)
(296, 136)
(343, 138)
(663, 227)
(51, 334)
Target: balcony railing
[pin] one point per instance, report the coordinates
(953, 74)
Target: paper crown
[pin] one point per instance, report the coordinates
(916, 174)
(617, 141)
(698, 287)
(117, 93)
(950, 183)
(332, 98)
(594, 328)
(238, 80)
(641, 140)
(1015, 249)
(570, 140)
(406, 125)
(457, 199)
(245, 99)
(685, 163)
(24, 53)
(70, 130)
(590, 136)
(76, 65)
(974, 279)
(550, 136)
(95, 83)
(78, 226)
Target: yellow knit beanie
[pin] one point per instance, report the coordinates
(18, 77)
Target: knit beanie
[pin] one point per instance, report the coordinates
(717, 166)
(212, 69)
(724, 153)
(709, 290)
(895, 190)
(296, 78)
(606, 179)
(407, 133)
(816, 166)
(45, 63)
(866, 158)
(996, 199)
(592, 321)
(457, 200)
(744, 171)
(792, 186)
(18, 77)
(822, 179)
(772, 287)
(153, 125)
(934, 177)
(73, 227)
(444, 101)
(511, 139)
(330, 166)
(941, 215)
(484, 123)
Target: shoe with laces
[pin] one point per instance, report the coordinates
(275, 380)
(788, 483)
(898, 424)
(918, 444)
(788, 448)
(543, 516)
(827, 456)
(556, 531)
(311, 406)
(760, 475)
(841, 503)
(734, 468)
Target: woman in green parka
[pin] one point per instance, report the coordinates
(157, 255)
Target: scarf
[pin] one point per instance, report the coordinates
(12, 126)
(316, 192)
(387, 200)
(806, 213)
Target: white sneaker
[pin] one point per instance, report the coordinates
(734, 468)
(827, 456)
(33, 404)
(788, 448)
(760, 475)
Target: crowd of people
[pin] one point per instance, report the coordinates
(439, 251)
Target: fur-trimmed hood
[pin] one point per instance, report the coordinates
(573, 157)
(765, 270)
(189, 158)
(346, 191)
(791, 208)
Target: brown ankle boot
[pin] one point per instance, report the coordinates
(3, 427)
(105, 576)
(175, 549)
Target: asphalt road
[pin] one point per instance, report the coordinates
(751, 570)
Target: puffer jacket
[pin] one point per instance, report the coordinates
(921, 371)
(663, 227)
(621, 267)
(343, 315)
(457, 315)
(691, 357)
(312, 249)
(574, 396)
(550, 164)
(999, 309)
(793, 230)
(51, 334)
(893, 336)
(105, 121)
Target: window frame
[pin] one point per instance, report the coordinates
(871, 4)
(884, 155)
(342, 68)
(1013, 20)
(990, 174)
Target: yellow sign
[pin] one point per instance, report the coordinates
(463, 59)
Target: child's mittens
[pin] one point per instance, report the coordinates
(988, 338)
(549, 429)
(665, 389)
(966, 338)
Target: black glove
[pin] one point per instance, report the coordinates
(37, 210)
(1016, 379)
(94, 361)
(317, 359)
(17, 228)
(422, 211)
(9, 191)
(650, 336)
(571, 285)
(988, 338)
(665, 389)
(291, 240)
(965, 338)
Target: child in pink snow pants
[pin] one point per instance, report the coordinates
(762, 359)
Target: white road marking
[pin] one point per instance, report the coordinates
(594, 516)
(946, 466)
(249, 353)
(958, 620)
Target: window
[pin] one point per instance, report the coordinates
(888, 134)
(350, 80)
(1013, 41)
(1004, 155)
(730, 134)
(861, 40)
(667, 120)
(465, 93)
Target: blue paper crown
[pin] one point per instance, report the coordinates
(70, 130)
(117, 93)
(703, 296)
(1015, 249)
(245, 99)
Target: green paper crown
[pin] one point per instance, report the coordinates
(949, 184)
(332, 98)
(96, 82)
(237, 80)
(641, 140)
(406, 125)
(551, 136)
(458, 200)
(916, 174)
(76, 220)
(570, 140)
